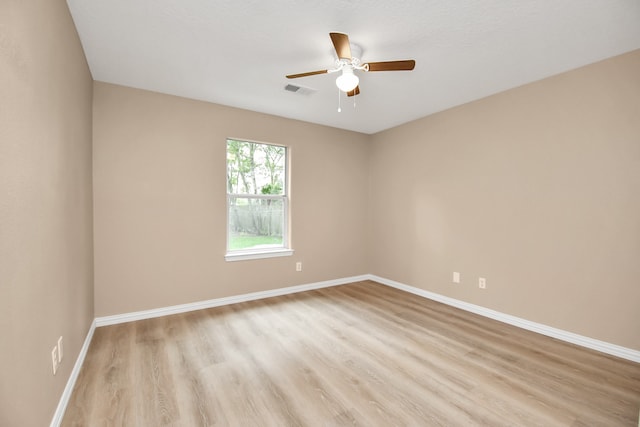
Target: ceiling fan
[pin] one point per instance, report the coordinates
(349, 61)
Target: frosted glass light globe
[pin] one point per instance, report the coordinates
(347, 81)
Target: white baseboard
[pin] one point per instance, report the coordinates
(71, 382)
(199, 305)
(594, 344)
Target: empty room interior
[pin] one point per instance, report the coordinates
(202, 224)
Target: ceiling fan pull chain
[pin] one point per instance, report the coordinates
(339, 109)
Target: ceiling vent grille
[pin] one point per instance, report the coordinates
(300, 90)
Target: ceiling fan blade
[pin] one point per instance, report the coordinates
(341, 44)
(392, 65)
(310, 73)
(354, 92)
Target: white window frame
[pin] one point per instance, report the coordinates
(280, 251)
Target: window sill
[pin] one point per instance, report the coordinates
(247, 255)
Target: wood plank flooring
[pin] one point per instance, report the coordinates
(360, 354)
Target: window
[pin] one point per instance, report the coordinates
(257, 201)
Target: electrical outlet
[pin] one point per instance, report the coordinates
(482, 283)
(60, 352)
(54, 359)
(456, 277)
(298, 266)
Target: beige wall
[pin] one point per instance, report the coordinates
(46, 272)
(534, 189)
(160, 201)
(537, 189)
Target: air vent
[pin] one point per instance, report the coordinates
(300, 90)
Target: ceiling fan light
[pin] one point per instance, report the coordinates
(347, 81)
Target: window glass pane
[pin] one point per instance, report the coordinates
(254, 168)
(255, 223)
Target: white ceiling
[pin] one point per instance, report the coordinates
(237, 53)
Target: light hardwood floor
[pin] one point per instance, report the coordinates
(359, 354)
